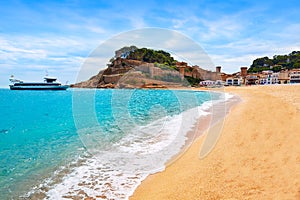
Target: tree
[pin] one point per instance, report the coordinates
(152, 56)
(278, 62)
(297, 65)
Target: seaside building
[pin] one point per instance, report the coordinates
(274, 78)
(207, 83)
(219, 78)
(229, 81)
(283, 77)
(234, 81)
(268, 77)
(242, 77)
(219, 83)
(295, 76)
(252, 79)
(237, 81)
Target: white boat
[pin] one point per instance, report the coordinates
(49, 83)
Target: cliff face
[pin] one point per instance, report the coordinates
(93, 82)
(127, 73)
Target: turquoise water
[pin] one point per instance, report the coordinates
(41, 131)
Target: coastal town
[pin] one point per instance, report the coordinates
(242, 77)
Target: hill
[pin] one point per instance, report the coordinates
(132, 67)
(277, 63)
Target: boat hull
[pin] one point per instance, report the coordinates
(61, 87)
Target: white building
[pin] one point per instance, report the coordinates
(295, 77)
(229, 81)
(234, 81)
(219, 83)
(275, 78)
(207, 83)
(269, 77)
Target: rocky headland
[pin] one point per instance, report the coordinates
(146, 68)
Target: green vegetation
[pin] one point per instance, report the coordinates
(192, 81)
(276, 64)
(169, 78)
(152, 56)
(165, 66)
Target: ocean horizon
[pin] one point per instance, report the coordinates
(92, 142)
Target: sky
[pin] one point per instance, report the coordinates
(57, 37)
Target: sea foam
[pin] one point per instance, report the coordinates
(115, 173)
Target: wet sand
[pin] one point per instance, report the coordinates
(256, 157)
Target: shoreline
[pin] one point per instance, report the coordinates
(197, 129)
(204, 123)
(82, 183)
(240, 166)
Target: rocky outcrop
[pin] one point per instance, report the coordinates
(110, 76)
(93, 82)
(127, 73)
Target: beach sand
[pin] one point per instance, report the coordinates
(256, 157)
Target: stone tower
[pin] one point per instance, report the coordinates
(243, 71)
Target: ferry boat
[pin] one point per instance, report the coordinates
(49, 83)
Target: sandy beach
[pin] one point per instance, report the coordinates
(256, 157)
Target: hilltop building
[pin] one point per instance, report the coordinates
(197, 72)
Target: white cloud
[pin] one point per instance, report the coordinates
(96, 29)
(230, 63)
(240, 53)
(179, 23)
(225, 27)
(13, 51)
(28, 56)
(136, 21)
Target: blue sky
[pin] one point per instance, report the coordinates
(58, 36)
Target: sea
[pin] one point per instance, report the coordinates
(99, 143)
